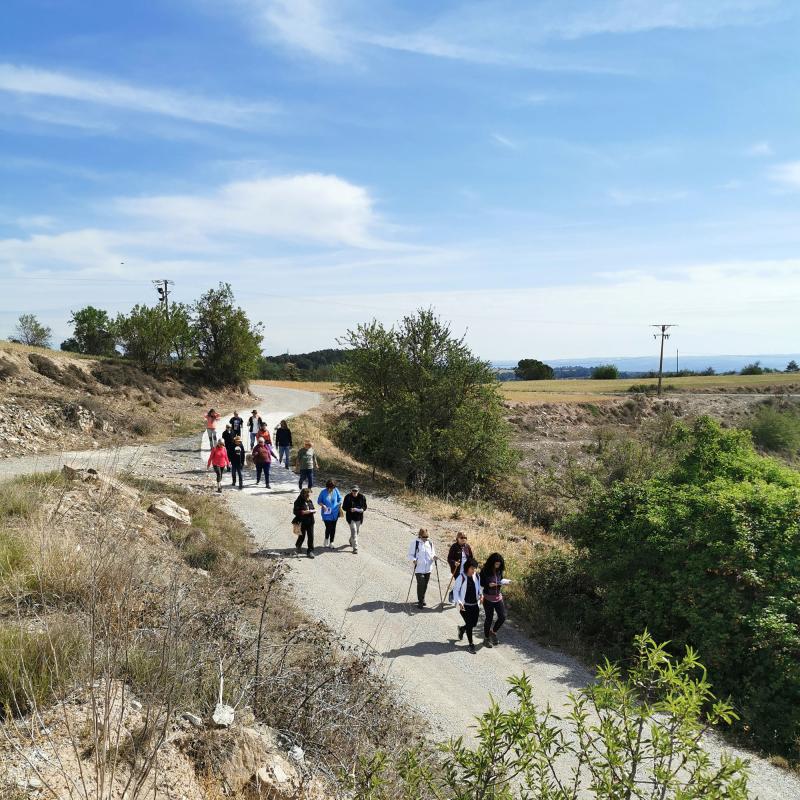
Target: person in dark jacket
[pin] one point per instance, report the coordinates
(468, 597)
(262, 458)
(283, 440)
(492, 581)
(236, 423)
(227, 437)
(237, 458)
(304, 512)
(354, 505)
(458, 554)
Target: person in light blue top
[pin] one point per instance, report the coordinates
(330, 501)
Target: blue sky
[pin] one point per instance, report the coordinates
(552, 176)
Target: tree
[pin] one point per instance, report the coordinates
(228, 344)
(792, 366)
(752, 369)
(605, 372)
(631, 735)
(31, 332)
(424, 405)
(530, 369)
(93, 332)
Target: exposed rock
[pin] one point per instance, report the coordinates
(71, 473)
(223, 715)
(170, 512)
(296, 754)
(109, 484)
(192, 719)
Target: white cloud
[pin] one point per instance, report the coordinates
(504, 141)
(759, 149)
(95, 90)
(308, 207)
(787, 174)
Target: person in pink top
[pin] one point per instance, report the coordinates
(211, 426)
(218, 458)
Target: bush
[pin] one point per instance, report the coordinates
(705, 551)
(753, 369)
(531, 369)
(31, 332)
(8, 369)
(777, 429)
(636, 735)
(605, 372)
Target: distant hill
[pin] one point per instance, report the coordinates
(318, 365)
(641, 364)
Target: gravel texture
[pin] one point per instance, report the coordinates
(364, 595)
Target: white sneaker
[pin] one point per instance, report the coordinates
(326, 542)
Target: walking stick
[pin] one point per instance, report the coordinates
(449, 584)
(441, 599)
(408, 593)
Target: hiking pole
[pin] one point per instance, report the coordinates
(449, 584)
(441, 599)
(408, 593)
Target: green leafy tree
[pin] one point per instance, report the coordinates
(31, 332)
(753, 369)
(705, 552)
(605, 372)
(228, 344)
(93, 332)
(146, 336)
(792, 366)
(634, 735)
(424, 405)
(530, 369)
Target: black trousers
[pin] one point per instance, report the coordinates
(490, 609)
(263, 468)
(236, 469)
(470, 616)
(422, 585)
(306, 529)
(330, 529)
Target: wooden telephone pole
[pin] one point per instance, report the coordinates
(664, 327)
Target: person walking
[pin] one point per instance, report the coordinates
(423, 556)
(262, 458)
(218, 458)
(236, 423)
(492, 581)
(211, 426)
(253, 422)
(283, 440)
(227, 438)
(306, 464)
(263, 432)
(468, 596)
(330, 503)
(237, 458)
(459, 553)
(304, 514)
(354, 505)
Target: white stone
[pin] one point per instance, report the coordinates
(193, 719)
(297, 754)
(223, 715)
(170, 512)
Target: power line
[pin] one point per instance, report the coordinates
(162, 287)
(664, 326)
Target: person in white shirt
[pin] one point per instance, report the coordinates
(423, 557)
(468, 596)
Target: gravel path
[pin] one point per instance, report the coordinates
(364, 595)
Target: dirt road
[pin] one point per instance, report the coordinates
(363, 595)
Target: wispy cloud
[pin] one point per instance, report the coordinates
(788, 174)
(504, 141)
(760, 149)
(96, 90)
(621, 197)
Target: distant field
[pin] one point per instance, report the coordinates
(588, 390)
(325, 387)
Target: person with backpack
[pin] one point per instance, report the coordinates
(253, 423)
(237, 459)
(283, 440)
(492, 581)
(218, 458)
(354, 505)
(423, 556)
(459, 553)
(468, 596)
(330, 503)
(306, 464)
(262, 458)
(236, 423)
(211, 426)
(304, 515)
(227, 438)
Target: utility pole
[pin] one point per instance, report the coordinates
(162, 287)
(677, 363)
(664, 327)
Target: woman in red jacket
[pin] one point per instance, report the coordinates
(218, 458)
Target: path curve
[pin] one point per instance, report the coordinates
(363, 595)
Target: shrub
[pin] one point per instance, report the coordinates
(31, 332)
(605, 372)
(8, 369)
(776, 429)
(704, 551)
(636, 735)
(753, 369)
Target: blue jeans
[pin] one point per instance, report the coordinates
(265, 469)
(252, 440)
(283, 455)
(306, 474)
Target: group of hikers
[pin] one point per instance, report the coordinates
(473, 586)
